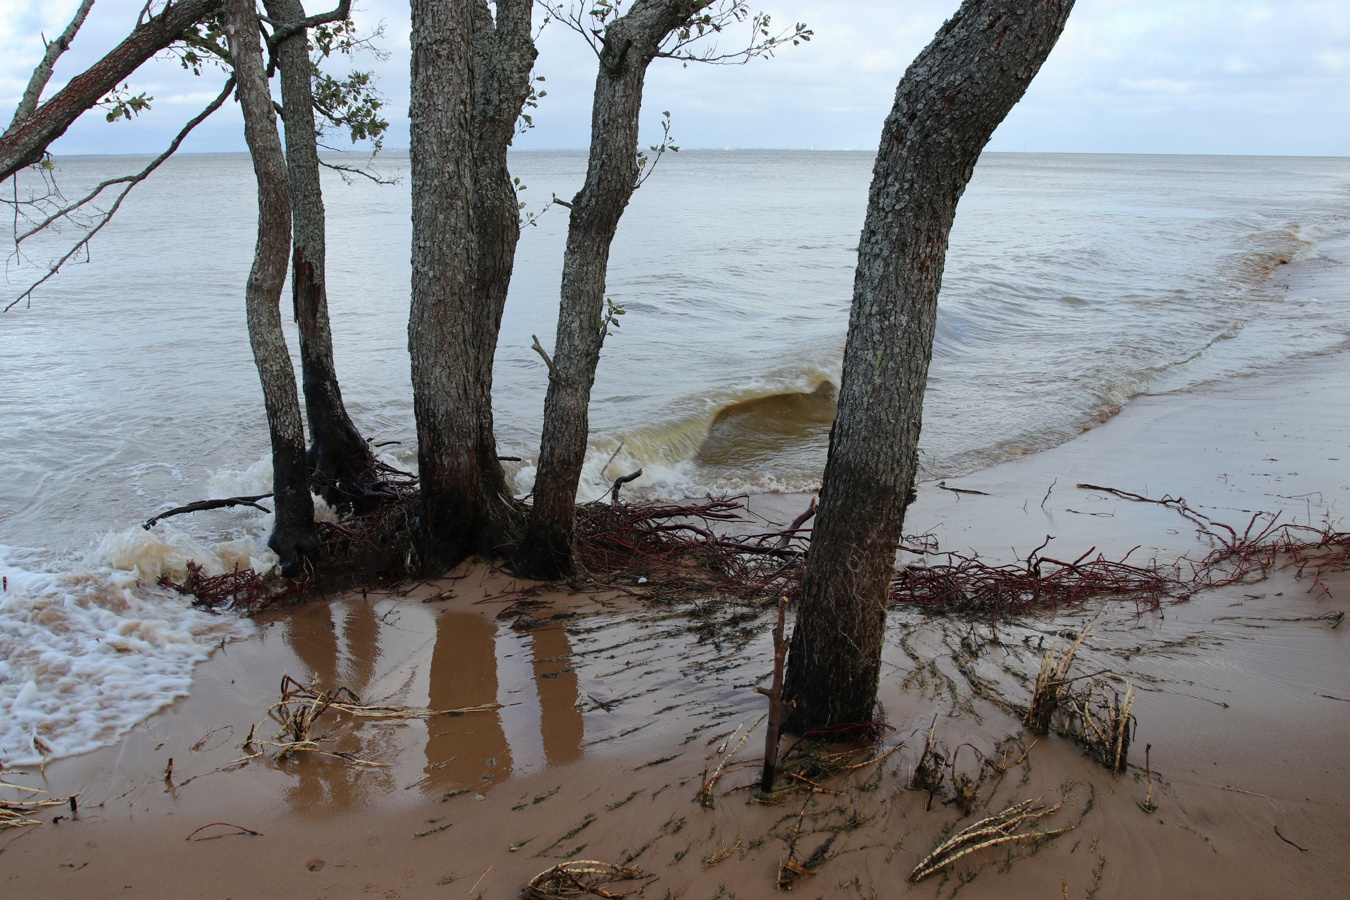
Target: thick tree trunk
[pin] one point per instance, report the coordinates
(504, 56)
(294, 537)
(630, 44)
(24, 142)
(470, 78)
(946, 108)
(340, 460)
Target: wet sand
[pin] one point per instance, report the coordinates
(612, 707)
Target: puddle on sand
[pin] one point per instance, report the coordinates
(601, 684)
(405, 653)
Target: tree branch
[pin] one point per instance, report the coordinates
(43, 73)
(539, 348)
(283, 31)
(129, 180)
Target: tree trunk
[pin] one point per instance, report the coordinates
(946, 108)
(504, 55)
(629, 45)
(470, 78)
(339, 459)
(24, 142)
(294, 538)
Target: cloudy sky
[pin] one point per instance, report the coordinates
(1129, 76)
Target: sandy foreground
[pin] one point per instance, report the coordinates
(613, 708)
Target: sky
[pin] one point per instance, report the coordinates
(1245, 77)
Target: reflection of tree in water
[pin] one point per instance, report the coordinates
(560, 720)
(473, 751)
(312, 633)
(465, 751)
(340, 645)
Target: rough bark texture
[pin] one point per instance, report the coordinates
(946, 108)
(470, 77)
(24, 142)
(504, 56)
(629, 45)
(339, 458)
(293, 537)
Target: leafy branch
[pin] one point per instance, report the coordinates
(697, 39)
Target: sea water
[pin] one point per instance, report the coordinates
(1073, 284)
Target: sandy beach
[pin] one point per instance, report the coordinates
(614, 708)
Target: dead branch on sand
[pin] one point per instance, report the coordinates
(775, 695)
(579, 878)
(1000, 828)
(706, 795)
(302, 705)
(19, 813)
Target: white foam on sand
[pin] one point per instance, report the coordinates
(86, 655)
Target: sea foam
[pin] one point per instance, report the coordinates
(86, 655)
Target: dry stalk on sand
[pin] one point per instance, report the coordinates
(1095, 714)
(708, 787)
(579, 878)
(1000, 828)
(302, 705)
(18, 813)
(1053, 676)
(1101, 720)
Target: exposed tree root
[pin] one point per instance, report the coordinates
(690, 552)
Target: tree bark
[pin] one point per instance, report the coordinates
(294, 538)
(504, 55)
(946, 108)
(628, 46)
(339, 459)
(24, 142)
(470, 79)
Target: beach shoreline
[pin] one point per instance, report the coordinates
(611, 716)
(613, 709)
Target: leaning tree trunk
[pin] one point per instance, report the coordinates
(470, 79)
(24, 142)
(293, 537)
(340, 460)
(629, 45)
(946, 108)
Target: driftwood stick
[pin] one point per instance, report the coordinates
(796, 526)
(201, 505)
(620, 482)
(780, 646)
(959, 491)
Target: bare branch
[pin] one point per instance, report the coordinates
(366, 172)
(43, 73)
(761, 41)
(539, 348)
(571, 16)
(130, 181)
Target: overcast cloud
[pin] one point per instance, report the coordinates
(1129, 76)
